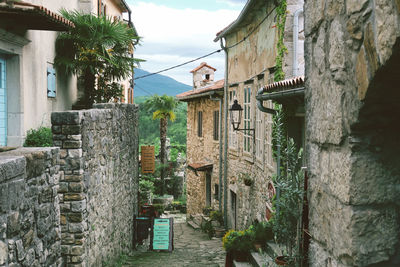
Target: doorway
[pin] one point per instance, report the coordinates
(208, 189)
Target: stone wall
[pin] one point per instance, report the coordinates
(30, 232)
(99, 156)
(353, 71)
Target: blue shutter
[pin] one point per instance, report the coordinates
(51, 82)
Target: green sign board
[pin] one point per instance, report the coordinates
(162, 234)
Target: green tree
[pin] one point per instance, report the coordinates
(163, 109)
(96, 48)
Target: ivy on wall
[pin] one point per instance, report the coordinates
(281, 48)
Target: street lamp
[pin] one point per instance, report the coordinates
(236, 108)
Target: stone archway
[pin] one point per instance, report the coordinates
(353, 141)
(375, 170)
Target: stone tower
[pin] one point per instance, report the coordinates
(203, 75)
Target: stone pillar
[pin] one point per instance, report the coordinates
(67, 135)
(352, 55)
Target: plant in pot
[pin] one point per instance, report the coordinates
(262, 234)
(246, 179)
(238, 244)
(288, 207)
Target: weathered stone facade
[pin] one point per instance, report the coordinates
(251, 65)
(352, 108)
(201, 149)
(30, 232)
(99, 156)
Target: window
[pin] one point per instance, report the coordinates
(247, 136)
(200, 124)
(259, 135)
(268, 140)
(232, 134)
(101, 8)
(216, 191)
(216, 125)
(51, 81)
(207, 77)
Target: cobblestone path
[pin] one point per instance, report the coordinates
(192, 248)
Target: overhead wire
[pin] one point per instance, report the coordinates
(209, 54)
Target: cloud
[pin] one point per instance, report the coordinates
(173, 36)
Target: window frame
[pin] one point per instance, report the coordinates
(200, 123)
(247, 119)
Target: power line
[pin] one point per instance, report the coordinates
(209, 54)
(144, 90)
(179, 65)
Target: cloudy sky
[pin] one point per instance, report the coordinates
(176, 31)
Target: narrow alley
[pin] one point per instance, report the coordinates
(191, 248)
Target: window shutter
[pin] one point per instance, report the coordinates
(51, 82)
(200, 124)
(216, 125)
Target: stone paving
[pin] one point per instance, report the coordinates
(192, 248)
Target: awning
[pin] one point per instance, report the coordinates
(200, 166)
(32, 17)
(290, 91)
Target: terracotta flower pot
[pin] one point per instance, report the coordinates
(241, 256)
(257, 246)
(281, 260)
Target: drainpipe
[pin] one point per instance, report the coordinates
(295, 39)
(220, 153)
(225, 136)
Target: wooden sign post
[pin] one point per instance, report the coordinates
(162, 234)
(148, 159)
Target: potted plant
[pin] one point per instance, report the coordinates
(262, 234)
(238, 244)
(288, 208)
(246, 179)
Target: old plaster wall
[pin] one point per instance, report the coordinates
(99, 155)
(30, 232)
(352, 51)
(201, 149)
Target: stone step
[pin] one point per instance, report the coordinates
(241, 264)
(193, 225)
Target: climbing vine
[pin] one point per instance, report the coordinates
(282, 50)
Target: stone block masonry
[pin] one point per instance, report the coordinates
(98, 193)
(30, 231)
(352, 113)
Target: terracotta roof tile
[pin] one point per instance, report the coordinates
(216, 86)
(19, 10)
(199, 166)
(291, 83)
(204, 64)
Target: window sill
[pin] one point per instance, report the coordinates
(248, 157)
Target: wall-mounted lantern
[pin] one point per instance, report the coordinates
(236, 108)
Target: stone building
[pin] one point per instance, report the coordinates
(30, 87)
(203, 140)
(352, 93)
(251, 46)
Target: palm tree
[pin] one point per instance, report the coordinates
(163, 109)
(95, 48)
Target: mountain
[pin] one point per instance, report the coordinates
(157, 84)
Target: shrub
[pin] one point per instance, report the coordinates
(41, 137)
(216, 215)
(238, 241)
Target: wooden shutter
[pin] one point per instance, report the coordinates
(216, 125)
(51, 82)
(200, 124)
